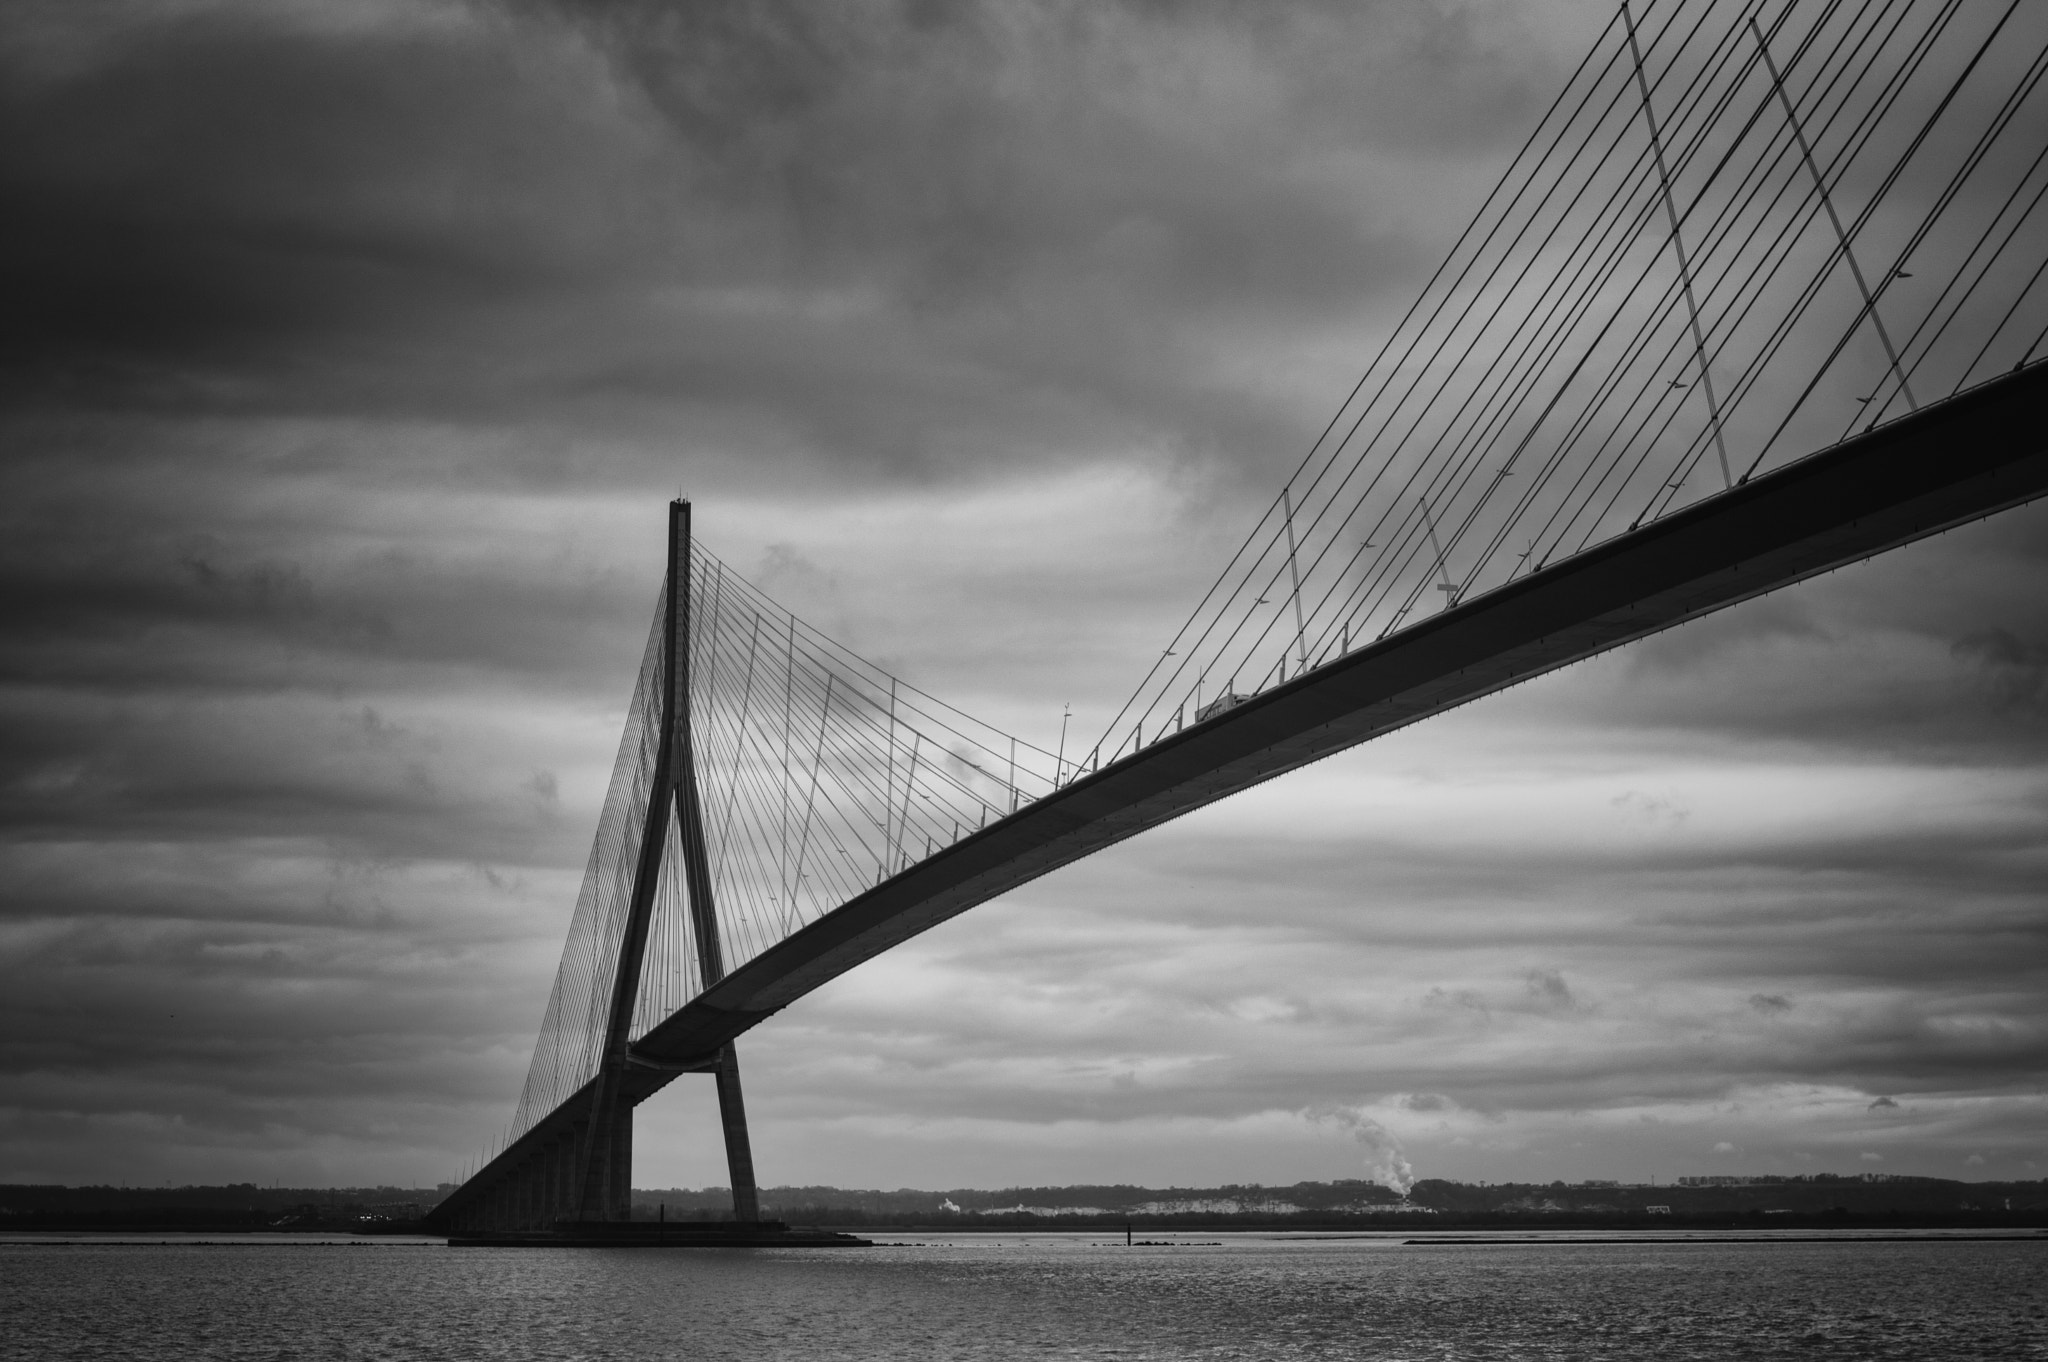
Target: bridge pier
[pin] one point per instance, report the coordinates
(620, 1190)
(561, 1171)
(584, 1172)
(547, 1185)
(604, 1182)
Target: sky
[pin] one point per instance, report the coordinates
(353, 353)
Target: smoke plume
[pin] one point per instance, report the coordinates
(1384, 1161)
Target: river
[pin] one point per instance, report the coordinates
(1235, 1296)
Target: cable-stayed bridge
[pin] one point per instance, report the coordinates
(1760, 295)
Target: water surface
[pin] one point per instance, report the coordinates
(997, 1296)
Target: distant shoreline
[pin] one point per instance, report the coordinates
(1515, 1237)
(1773, 1205)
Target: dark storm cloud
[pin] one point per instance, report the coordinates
(216, 191)
(236, 210)
(2012, 672)
(1001, 172)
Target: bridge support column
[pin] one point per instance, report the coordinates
(606, 1192)
(561, 1173)
(739, 1150)
(567, 1187)
(621, 1190)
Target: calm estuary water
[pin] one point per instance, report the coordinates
(1070, 1296)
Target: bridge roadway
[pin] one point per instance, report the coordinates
(1962, 459)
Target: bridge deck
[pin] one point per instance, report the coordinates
(1962, 459)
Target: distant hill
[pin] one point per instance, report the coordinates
(235, 1206)
(1764, 1200)
(1344, 1198)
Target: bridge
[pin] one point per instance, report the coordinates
(1759, 297)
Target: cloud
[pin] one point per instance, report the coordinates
(351, 354)
(1548, 992)
(2011, 672)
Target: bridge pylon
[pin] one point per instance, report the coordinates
(580, 1169)
(607, 1160)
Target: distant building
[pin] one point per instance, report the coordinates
(1657, 1210)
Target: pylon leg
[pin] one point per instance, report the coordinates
(739, 1151)
(622, 1164)
(606, 1175)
